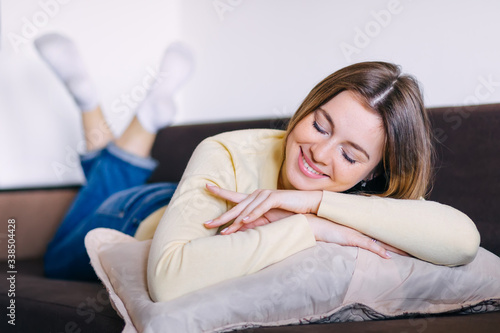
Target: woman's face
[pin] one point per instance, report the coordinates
(334, 147)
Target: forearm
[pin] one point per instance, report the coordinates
(177, 267)
(425, 229)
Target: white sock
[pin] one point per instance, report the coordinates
(158, 110)
(63, 58)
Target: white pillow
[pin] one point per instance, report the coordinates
(326, 283)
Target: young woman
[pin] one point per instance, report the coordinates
(352, 168)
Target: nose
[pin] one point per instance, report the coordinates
(322, 152)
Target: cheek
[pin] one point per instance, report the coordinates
(347, 174)
(290, 156)
(292, 148)
(303, 130)
(342, 173)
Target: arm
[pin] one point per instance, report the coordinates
(186, 256)
(266, 206)
(427, 230)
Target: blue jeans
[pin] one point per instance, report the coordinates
(115, 197)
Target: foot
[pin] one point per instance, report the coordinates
(63, 58)
(158, 110)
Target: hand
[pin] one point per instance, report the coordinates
(262, 207)
(331, 232)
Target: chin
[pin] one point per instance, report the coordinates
(308, 185)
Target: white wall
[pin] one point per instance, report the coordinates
(255, 59)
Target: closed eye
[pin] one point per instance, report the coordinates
(318, 128)
(348, 159)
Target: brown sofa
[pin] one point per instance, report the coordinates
(467, 177)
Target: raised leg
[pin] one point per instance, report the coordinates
(158, 109)
(114, 172)
(63, 58)
(96, 129)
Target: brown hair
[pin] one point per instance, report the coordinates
(396, 97)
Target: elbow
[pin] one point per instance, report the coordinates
(156, 289)
(158, 285)
(154, 283)
(153, 291)
(159, 277)
(167, 278)
(466, 244)
(470, 248)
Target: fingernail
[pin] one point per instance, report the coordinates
(388, 254)
(224, 230)
(208, 222)
(210, 185)
(246, 218)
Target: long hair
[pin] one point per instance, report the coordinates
(397, 98)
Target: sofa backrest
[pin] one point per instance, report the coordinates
(467, 171)
(467, 168)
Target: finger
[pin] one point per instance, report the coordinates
(260, 210)
(257, 223)
(393, 249)
(227, 216)
(233, 214)
(372, 245)
(255, 209)
(246, 206)
(229, 195)
(230, 214)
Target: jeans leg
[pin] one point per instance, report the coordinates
(88, 161)
(122, 211)
(111, 171)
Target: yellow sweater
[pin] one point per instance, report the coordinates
(185, 256)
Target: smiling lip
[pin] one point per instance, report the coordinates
(308, 168)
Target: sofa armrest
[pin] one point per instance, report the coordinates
(37, 214)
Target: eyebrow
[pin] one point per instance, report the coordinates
(354, 145)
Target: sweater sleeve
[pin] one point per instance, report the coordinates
(425, 229)
(186, 256)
